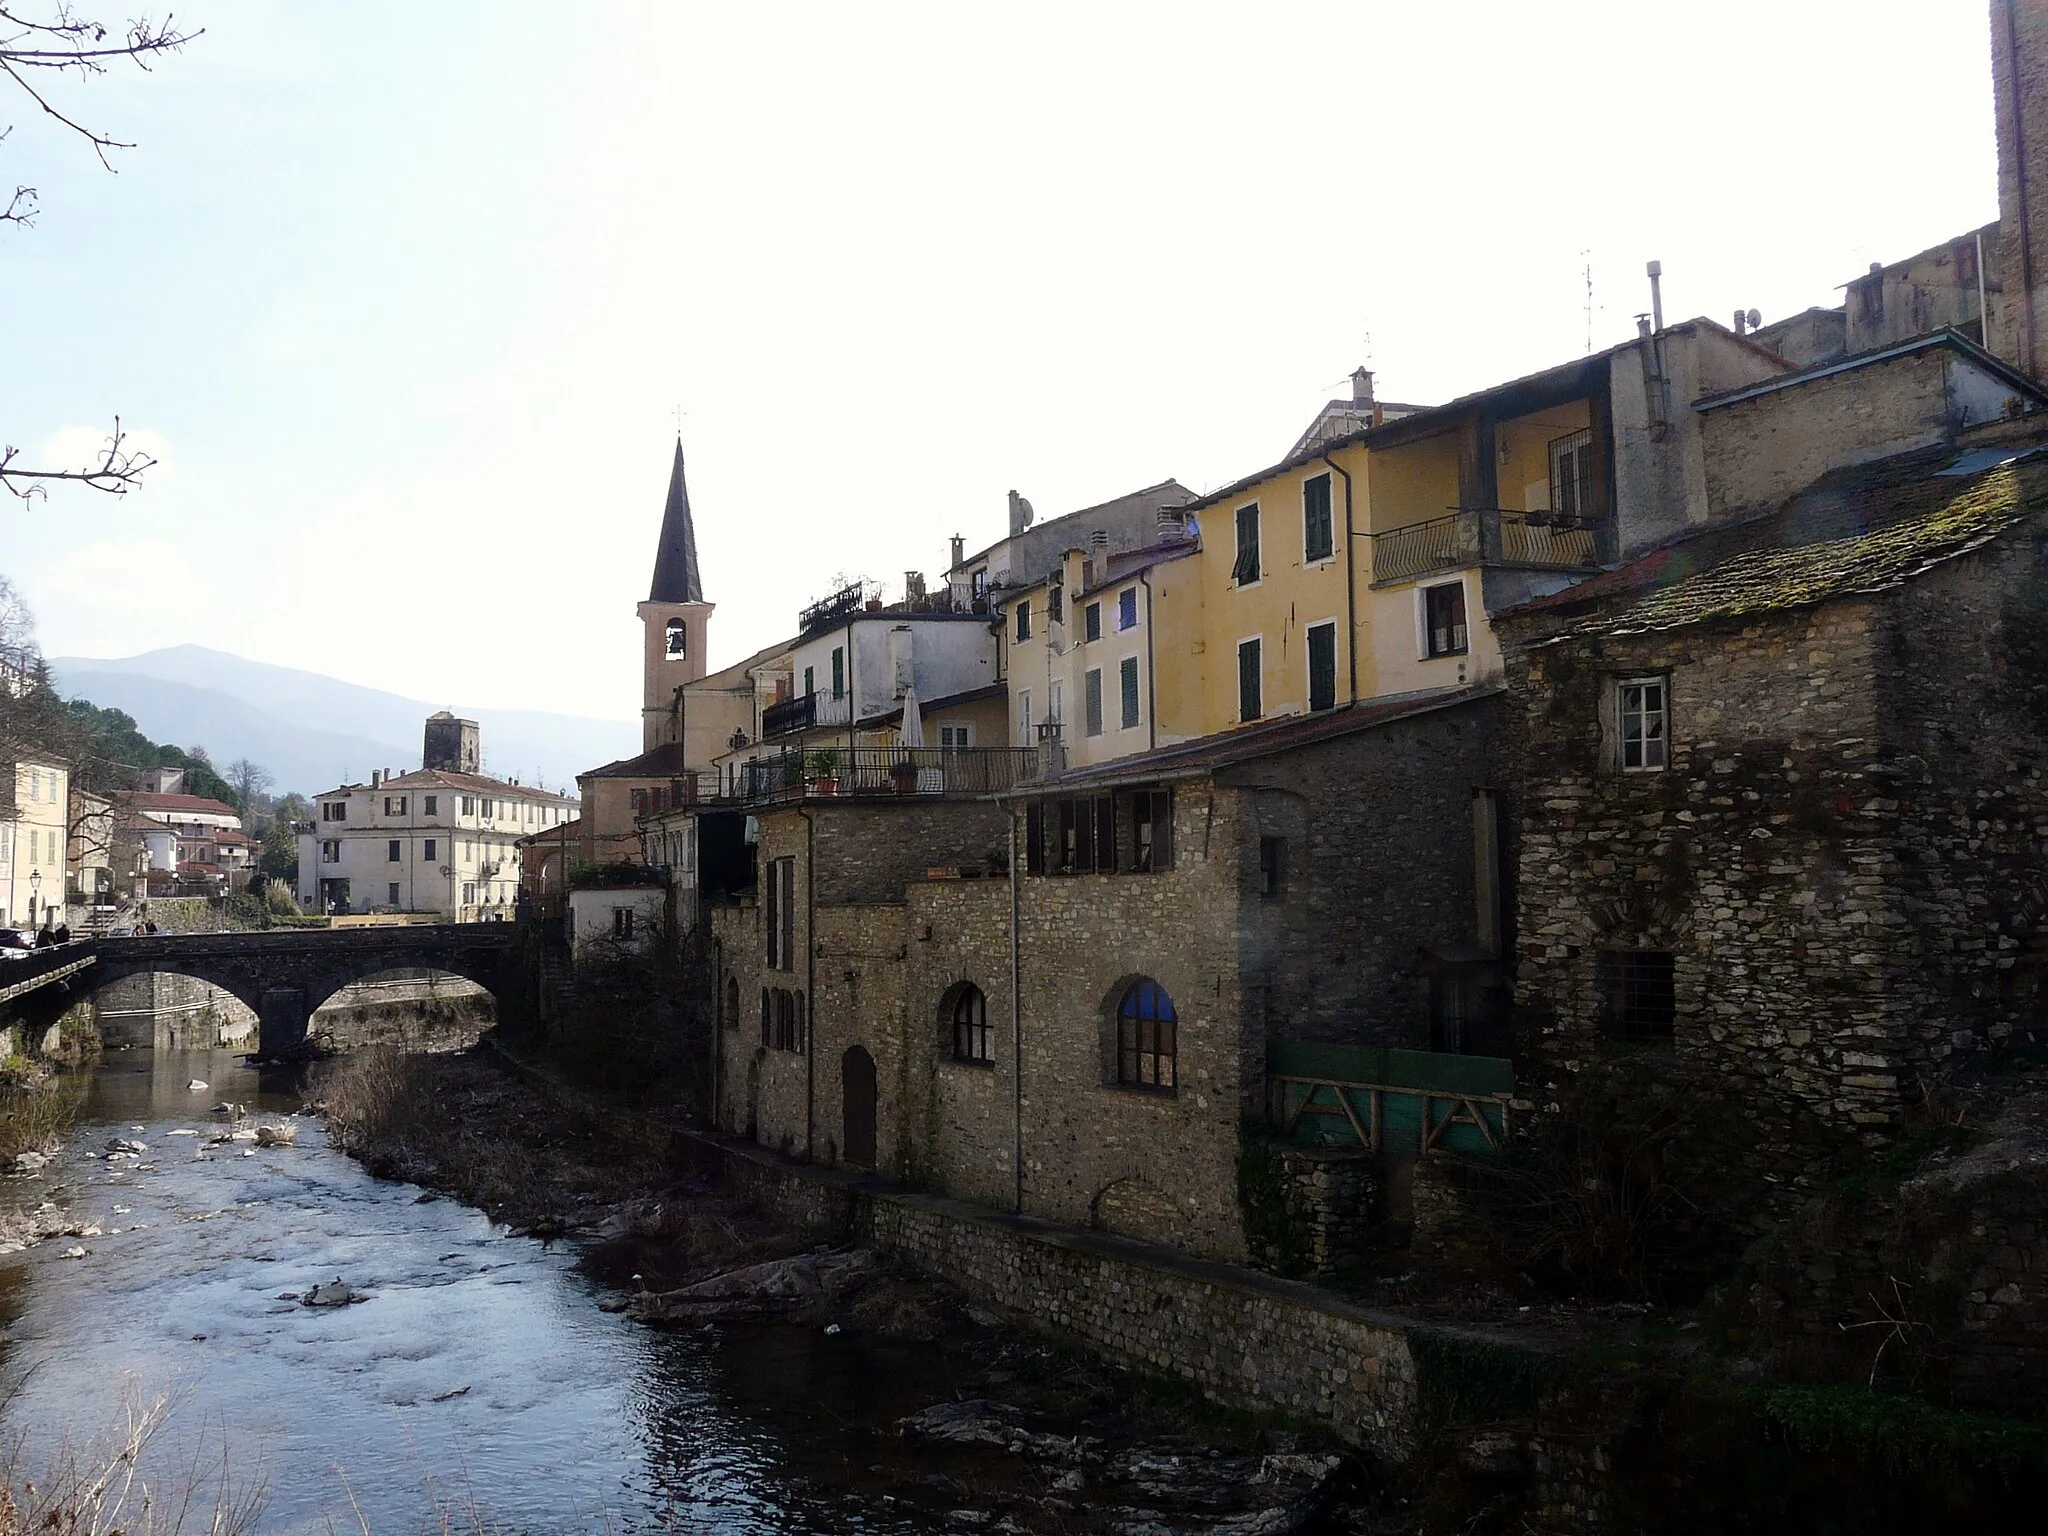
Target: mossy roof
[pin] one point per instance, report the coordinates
(1852, 532)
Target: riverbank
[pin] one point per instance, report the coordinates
(1094, 1448)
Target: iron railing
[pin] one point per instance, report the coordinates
(1485, 536)
(958, 772)
(805, 711)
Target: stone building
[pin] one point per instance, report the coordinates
(1782, 800)
(1062, 999)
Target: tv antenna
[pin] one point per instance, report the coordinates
(1587, 257)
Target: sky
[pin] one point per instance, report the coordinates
(407, 298)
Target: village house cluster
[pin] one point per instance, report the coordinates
(1685, 700)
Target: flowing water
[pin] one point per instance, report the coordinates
(479, 1377)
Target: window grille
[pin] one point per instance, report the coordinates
(1638, 993)
(1571, 476)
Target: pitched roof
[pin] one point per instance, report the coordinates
(676, 577)
(1947, 340)
(1245, 743)
(1167, 493)
(662, 762)
(1853, 531)
(172, 805)
(442, 778)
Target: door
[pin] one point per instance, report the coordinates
(857, 1112)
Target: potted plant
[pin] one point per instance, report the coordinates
(824, 770)
(904, 772)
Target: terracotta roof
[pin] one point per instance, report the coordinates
(1852, 531)
(170, 805)
(946, 701)
(560, 832)
(1246, 743)
(662, 762)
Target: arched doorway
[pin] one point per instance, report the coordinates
(857, 1106)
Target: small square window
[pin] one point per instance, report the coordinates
(433, 805)
(1643, 711)
(1638, 993)
(1127, 608)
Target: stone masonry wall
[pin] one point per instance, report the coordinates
(1741, 858)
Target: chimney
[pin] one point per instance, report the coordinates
(959, 552)
(1172, 523)
(1361, 386)
(1741, 320)
(1020, 514)
(376, 777)
(2019, 54)
(1656, 271)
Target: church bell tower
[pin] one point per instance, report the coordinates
(673, 620)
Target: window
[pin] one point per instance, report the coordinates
(1055, 701)
(1443, 620)
(1246, 571)
(977, 582)
(1023, 618)
(469, 805)
(469, 893)
(1024, 716)
(1322, 665)
(639, 799)
(1091, 622)
(767, 1026)
(810, 681)
(1643, 706)
(1317, 540)
(431, 805)
(1638, 994)
(1249, 702)
(1127, 608)
(1127, 688)
(732, 1002)
(334, 810)
(330, 851)
(622, 922)
(1056, 603)
(782, 914)
(392, 898)
(1571, 476)
(1146, 1038)
(788, 1010)
(429, 852)
(394, 805)
(485, 810)
(1151, 830)
(391, 853)
(1272, 866)
(677, 642)
(1091, 701)
(972, 1040)
(838, 671)
(955, 738)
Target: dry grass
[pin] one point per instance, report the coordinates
(99, 1487)
(35, 1110)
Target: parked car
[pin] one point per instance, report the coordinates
(15, 944)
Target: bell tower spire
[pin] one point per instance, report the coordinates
(673, 619)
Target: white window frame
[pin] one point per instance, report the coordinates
(956, 738)
(1024, 721)
(1422, 591)
(1661, 715)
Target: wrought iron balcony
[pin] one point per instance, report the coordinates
(1487, 536)
(805, 711)
(878, 773)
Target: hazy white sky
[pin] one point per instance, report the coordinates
(407, 295)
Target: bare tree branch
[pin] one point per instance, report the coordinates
(117, 470)
(67, 44)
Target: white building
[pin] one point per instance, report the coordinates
(440, 839)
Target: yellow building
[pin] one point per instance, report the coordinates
(35, 831)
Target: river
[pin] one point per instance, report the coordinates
(478, 1376)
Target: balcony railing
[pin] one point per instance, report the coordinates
(805, 711)
(877, 772)
(1487, 536)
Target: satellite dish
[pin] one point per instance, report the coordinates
(1755, 319)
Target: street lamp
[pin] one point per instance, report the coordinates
(35, 885)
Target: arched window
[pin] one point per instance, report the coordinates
(678, 642)
(969, 1015)
(732, 1002)
(1147, 1044)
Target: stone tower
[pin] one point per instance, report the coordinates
(451, 745)
(674, 618)
(2019, 85)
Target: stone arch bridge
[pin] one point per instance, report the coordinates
(284, 974)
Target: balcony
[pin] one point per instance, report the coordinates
(1489, 536)
(879, 773)
(800, 714)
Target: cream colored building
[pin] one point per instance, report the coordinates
(35, 834)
